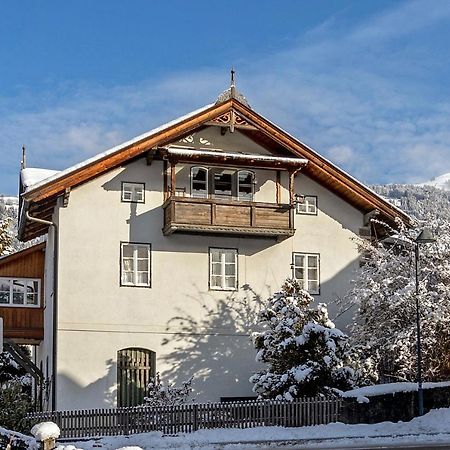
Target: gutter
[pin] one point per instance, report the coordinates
(55, 296)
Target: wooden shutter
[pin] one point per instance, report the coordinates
(135, 366)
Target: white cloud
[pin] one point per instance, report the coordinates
(334, 89)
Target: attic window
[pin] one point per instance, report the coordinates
(306, 204)
(133, 192)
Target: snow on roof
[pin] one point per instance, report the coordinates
(117, 148)
(238, 155)
(390, 388)
(32, 176)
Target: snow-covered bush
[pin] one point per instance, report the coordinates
(305, 353)
(45, 430)
(159, 394)
(384, 296)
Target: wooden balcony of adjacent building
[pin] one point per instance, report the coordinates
(21, 295)
(230, 217)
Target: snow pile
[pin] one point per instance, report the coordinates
(45, 430)
(67, 447)
(33, 176)
(390, 388)
(19, 437)
(133, 447)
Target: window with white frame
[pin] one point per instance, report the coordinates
(306, 204)
(135, 264)
(199, 182)
(19, 292)
(305, 267)
(245, 184)
(223, 269)
(133, 192)
(223, 183)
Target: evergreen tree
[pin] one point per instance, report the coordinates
(15, 393)
(305, 353)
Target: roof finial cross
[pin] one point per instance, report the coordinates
(23, 163)
(232, 85)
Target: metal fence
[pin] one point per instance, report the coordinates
(191, 417)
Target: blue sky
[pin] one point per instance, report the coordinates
(365, 83)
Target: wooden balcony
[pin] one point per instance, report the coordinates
(229, 217)
(23, 325)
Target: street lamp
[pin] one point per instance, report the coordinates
(425, 237)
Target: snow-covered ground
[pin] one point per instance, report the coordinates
(434, 427)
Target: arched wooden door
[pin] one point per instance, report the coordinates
(135, 366)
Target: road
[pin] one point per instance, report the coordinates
(329, 446)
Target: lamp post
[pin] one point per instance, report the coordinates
(424, 237)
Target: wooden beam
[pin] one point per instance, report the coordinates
(278, 187)
(165, 180)
(173, 179)
(291, 188)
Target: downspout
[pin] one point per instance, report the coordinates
(55, 297)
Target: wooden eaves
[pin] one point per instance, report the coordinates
(42, 198)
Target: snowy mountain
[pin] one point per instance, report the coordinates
(440, 182)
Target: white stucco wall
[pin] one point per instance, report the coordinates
(194, 331)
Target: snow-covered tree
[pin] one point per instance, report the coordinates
(303, 350)
(384, 295)
(6, 237)
(159, 394)
(15, 394)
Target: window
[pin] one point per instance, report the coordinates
(245, 180)
(133, 192)
(223, 183)
(19, 292)
(223, 269)
(135, 264)
(306, 204)
(199, 182)
(306, 270)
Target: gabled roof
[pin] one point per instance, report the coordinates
(40, 198)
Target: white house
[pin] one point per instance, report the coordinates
(159, 250)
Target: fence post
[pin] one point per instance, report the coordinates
(195, 413)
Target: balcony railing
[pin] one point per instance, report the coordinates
(232, 217)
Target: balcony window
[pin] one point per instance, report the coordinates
(135, 265)
(19, 292)
(245, 180)
(306, 270)
(199, 182)
(223, 183)
(223, 269)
